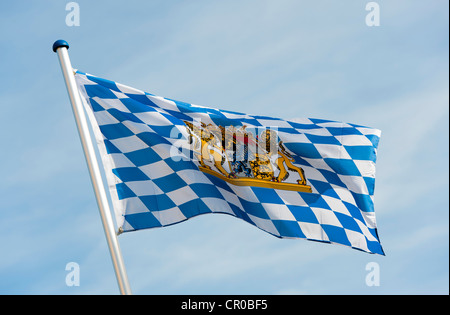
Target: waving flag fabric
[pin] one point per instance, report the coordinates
(167, 161)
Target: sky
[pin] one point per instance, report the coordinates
(284, 58)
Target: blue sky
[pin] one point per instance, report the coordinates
(288, 59)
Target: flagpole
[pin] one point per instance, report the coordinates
(61, 48)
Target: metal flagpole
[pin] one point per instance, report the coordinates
(60, 47)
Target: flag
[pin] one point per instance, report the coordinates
(167, 161)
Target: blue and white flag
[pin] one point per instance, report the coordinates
(167, 161)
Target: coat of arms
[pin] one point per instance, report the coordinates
(245, 156)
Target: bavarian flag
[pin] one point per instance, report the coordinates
(167, 161)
